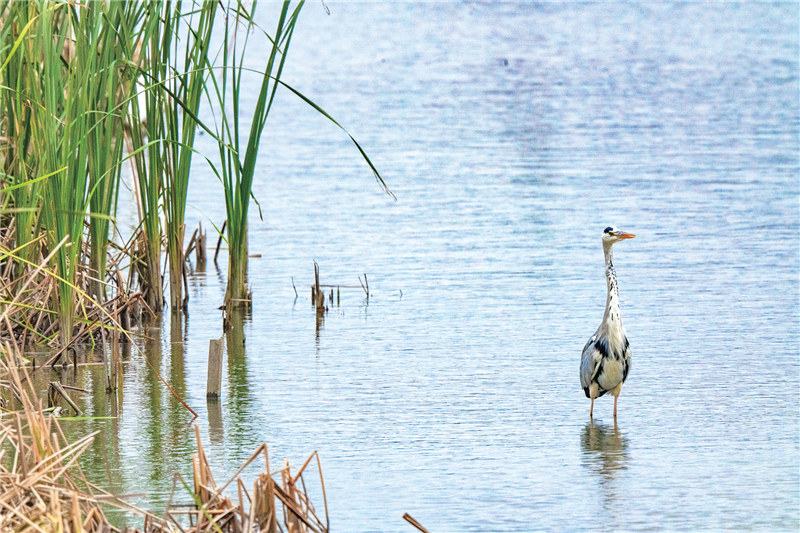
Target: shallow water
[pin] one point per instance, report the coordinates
(512, 135)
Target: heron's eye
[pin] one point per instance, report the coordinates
(609, 230)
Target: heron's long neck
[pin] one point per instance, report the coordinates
(612, 317)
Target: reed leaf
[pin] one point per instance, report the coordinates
(60, 138)
(237, 173)
(187, 83)
(108, 96)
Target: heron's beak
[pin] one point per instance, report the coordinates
(623, 235)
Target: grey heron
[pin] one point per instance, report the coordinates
(606, 358)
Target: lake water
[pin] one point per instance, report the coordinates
(512, 134)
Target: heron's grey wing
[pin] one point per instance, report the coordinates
(590, 359)
(626, 360)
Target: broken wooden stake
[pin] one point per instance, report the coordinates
(116, 360)
(200, 252)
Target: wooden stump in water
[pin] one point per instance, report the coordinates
(214, 383)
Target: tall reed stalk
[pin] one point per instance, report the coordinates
(185, 85)
(21, 197)
(108, 29)
(61, 140)
(237, 173)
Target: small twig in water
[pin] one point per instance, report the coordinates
(366, 289)
(407, 517)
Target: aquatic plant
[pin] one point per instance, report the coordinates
(107, 30)
(184, 84)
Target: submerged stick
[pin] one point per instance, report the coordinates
(191, 245)
(56, 387)
(366, 291)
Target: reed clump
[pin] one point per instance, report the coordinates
(89, 87)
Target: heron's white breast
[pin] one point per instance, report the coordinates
(613, 372)
(615, 331)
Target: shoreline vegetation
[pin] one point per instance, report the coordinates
(118, 84)
(87, 89)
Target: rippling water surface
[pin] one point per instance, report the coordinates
(512, 134)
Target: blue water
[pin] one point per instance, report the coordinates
(511, 134)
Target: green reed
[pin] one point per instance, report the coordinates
(109, 30)
(64, 88)
(22, 193)
(185, 86)
(237, 173)
(61, 140)
(146, 133)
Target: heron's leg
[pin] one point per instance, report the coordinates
(593, 389)
(616, 392)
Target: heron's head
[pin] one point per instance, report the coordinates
(613, 234)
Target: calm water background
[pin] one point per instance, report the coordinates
(512, 135)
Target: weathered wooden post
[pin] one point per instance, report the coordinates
(320, 302)
(214, 383)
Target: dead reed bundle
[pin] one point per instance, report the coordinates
(262, 510)
(43, 489)
(27, 293)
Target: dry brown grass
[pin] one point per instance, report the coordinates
(43, 489)
(27, 293)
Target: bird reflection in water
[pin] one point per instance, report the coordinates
(605, 454)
